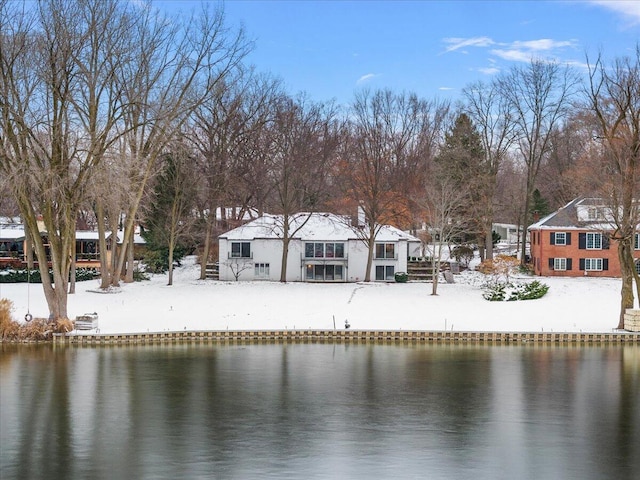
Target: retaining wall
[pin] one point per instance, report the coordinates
(340, 336)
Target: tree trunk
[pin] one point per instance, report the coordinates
(626, 271)
(435, 267)
(130, 260)
(205, 251)
(171, 247)
(102, 245)
(489, 241)
(372, 246)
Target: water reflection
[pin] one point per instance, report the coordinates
(320, 411)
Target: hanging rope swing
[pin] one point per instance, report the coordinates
(28, 317)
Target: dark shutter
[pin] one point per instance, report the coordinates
(605, 241)
(582, 242)
(551, 260)
(582, 263)
(569, 264)
(552, 238)
(605, 264)
(568, 237)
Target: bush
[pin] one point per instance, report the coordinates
(36, 329)
(463, 254)
(501, 291)
(23, 275)
(401, 277)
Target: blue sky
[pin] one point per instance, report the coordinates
(330, 49)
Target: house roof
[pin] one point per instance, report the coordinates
(11, 232)
(571, 216)
(311, 226)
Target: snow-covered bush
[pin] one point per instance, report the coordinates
(503, 291)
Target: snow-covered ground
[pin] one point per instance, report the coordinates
(571, 305)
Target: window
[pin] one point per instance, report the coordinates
(323, 250)
(593, 264)
(636, 241)
(594, 241)
(561, 238)
(559, 263)
(261, 270)
(595, 213)
(240, 250)
(638, 266)
(385, 250)
(322, 273)
(385, 272)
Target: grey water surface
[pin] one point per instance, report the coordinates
(320, 411)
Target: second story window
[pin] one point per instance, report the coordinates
(594, 241)
(385, 250)
(324, 250)
(240, 249)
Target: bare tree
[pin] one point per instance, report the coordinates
(392, 139)
(614, 97)
(489, 110)
(538, 98)
(58, 108)
(300, 153)
(174, 68)
(221, 129)
(445, 204)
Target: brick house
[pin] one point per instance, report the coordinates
(575, 241)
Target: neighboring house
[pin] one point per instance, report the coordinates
(326, 249)
(575, 241)
(13, 246)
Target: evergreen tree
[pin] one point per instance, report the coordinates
(168, 222)
(460, 165)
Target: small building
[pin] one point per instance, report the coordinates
(576, 241)
(324, 248)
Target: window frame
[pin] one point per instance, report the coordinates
(388, 251)
(241, 253)
(560, 264)
(596, 241)
(261, 270)
(562, 235)
(589, 267)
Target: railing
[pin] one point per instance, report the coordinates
(231, 256)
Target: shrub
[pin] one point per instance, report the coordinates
(23, 275)
(463, 254)
(401, 277)
(509, 292)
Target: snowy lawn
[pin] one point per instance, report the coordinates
(572, 305)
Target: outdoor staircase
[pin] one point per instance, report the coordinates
(422, 270)
(212, 271)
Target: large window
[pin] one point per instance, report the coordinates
(385, 250)
(638, 266)
(594, 241)
(324, 273)
(385, 272)
(324, 250)
(636, 241)
(240, 249)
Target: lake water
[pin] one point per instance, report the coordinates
(320, 411)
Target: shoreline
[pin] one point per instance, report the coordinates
(340, 336)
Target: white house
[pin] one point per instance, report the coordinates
(324, 248)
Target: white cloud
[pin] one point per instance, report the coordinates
(445, 88)
(489, 70)
(629, 9)
(366, 78)
(513, 55)
(458, 43)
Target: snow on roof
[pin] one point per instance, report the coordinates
(11, 232)
(310, 226)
